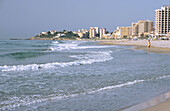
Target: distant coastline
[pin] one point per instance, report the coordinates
(15, 39)
(157, 46)
(39, 38)
(43, 38)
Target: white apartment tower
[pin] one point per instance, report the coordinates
(92, 33)
(142, 27)
(162, 20)
(102, 32)
(96, 29)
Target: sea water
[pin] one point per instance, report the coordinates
(78, 76)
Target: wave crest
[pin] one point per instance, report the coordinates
(21, 55)
(89, 58)
(73, 45)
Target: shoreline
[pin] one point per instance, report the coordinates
(159, 103)
(157, 46)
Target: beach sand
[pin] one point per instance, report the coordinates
(159, 103)
(157, 46)
(164, 106)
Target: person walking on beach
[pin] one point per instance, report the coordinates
(149, 43)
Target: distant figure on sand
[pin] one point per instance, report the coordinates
(149, 44)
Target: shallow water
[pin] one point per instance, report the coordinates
(78, 75)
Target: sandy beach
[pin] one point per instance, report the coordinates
(157, 46)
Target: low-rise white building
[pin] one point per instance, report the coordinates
(53, 31)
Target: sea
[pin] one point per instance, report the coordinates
(37, 75)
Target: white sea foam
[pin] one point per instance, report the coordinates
(89, 58)
(119, 85)
(163, 77)
(55, 42)
(73, 45)
(15, 102)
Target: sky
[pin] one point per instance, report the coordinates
(26, 18)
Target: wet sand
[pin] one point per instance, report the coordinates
(164, 106)
(159, 103)
(154, 49)
(158, 46)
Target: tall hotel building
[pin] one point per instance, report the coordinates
(102, 32)
(162, 20)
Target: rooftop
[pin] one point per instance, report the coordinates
(163, 8)
(166, 5)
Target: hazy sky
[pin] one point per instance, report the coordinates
(26, 18)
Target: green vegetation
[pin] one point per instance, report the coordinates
(70, 35)
(64, 33)
(107, 32)
(142, 36)
(97, 35)
(125, 36)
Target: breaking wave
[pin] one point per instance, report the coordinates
(89, 58)
(59, 46)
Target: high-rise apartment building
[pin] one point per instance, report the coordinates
(96, 29)
(162, 20)
(123, 32)
(134, 29)
(102, 32)
(142, 27)
(92, 32)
